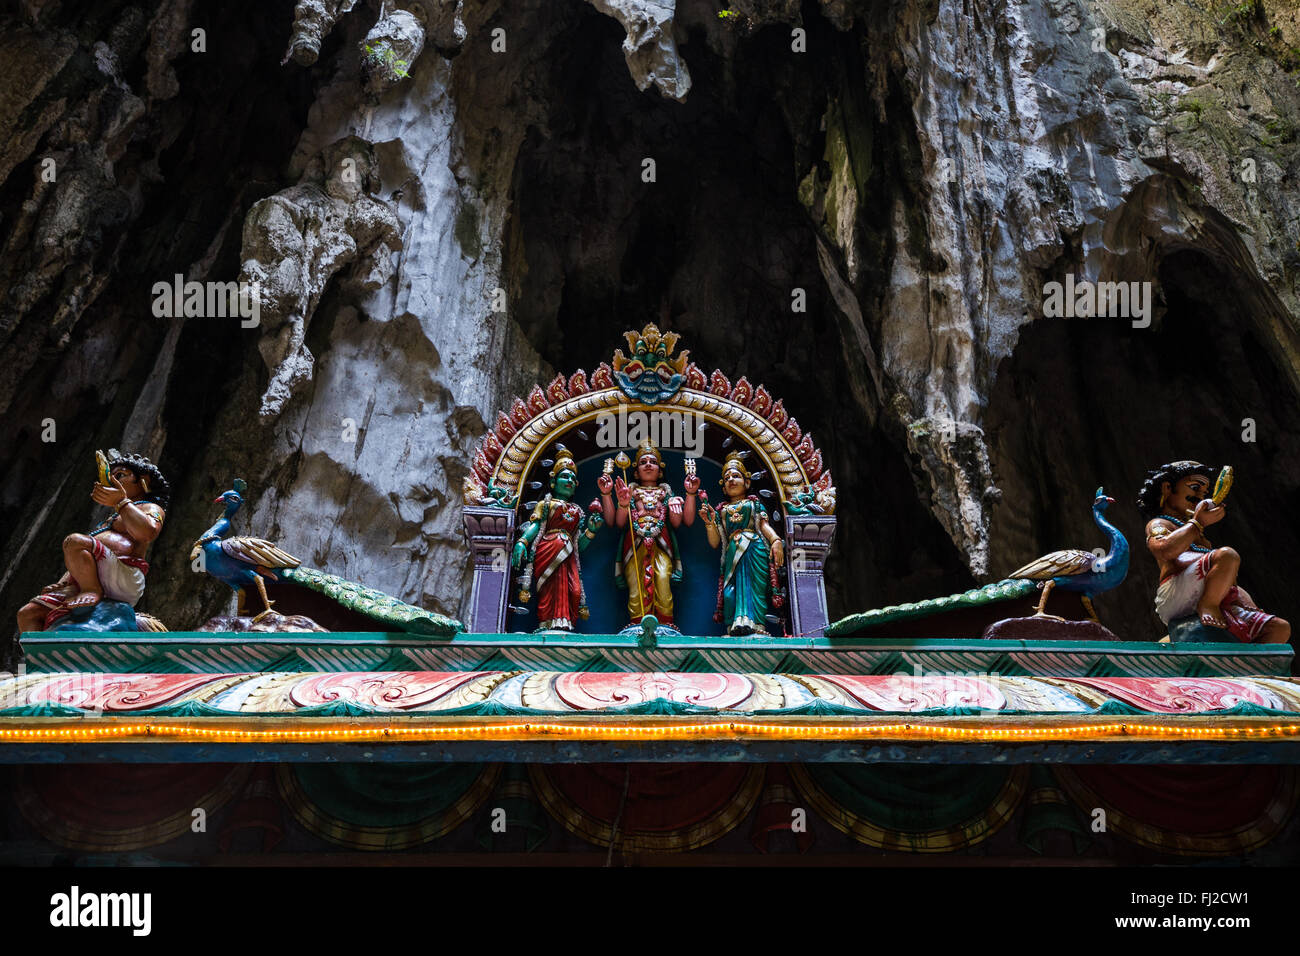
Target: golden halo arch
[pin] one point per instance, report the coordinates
(510, 450)
(520, 455)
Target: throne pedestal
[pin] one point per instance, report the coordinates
(491, 533)
(807, 541)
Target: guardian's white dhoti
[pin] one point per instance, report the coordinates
(122, 579)
(1179, 594)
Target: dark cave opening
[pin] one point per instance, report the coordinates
(715, 244)
(1088, 402)
(713, 249)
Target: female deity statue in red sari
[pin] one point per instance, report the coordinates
(549, 543)
(648, 560)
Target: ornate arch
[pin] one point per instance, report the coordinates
(507, 454)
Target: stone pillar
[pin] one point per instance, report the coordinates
(807, 541)
(491, 533)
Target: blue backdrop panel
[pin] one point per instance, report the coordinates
(695, 598)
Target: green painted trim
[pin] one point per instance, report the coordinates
(596, 641)
(203, 652)
(44, 709)
(396, 639)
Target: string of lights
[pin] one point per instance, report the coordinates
(114, 729)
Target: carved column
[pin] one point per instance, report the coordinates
(807, 541)
(490, 532)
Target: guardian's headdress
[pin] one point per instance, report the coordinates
(1150, 499)
(155, 485)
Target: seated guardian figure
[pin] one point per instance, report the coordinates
(1196, 578)
(109, 561)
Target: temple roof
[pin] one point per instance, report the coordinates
(578, 716)
(564, 697)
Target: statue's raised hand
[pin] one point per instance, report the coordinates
(109, 495)
(1208, 513)
(622, 492)
(595, 520)
(691, 483)
(605, 483)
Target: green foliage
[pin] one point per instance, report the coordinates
(1279, 131)
(1240, 14)
(1247, 19)
(381, 55)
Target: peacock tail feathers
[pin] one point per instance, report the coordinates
(375, 605)
(976, 597)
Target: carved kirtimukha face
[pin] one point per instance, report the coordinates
(652, 374)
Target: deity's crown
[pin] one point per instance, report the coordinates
(648, 446)
(735, 460)
(563, 460)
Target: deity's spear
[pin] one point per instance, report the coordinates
(623, 461)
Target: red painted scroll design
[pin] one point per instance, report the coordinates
(593, 691)
(907, 693)
(1181, 695)
(117, 692)
(395, 690)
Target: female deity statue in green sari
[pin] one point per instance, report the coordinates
(751, 553)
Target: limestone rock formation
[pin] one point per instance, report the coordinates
(312, 21)
(650, 47)
(390, 49)
(272, 623)
(297, 240)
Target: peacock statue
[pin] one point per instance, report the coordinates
(1081, 571)
(240, 562)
